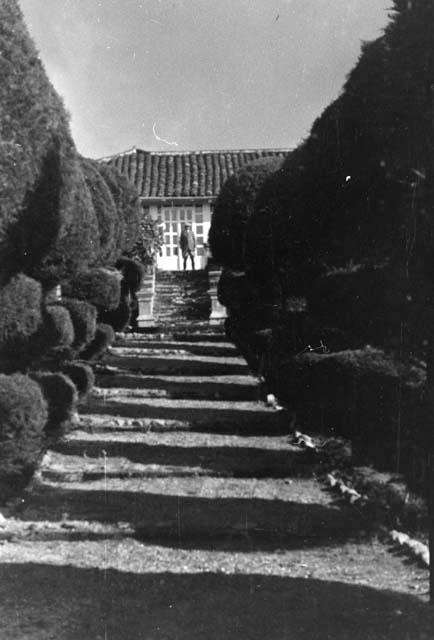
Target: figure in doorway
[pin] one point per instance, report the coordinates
(187, 243)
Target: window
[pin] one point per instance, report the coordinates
(198, 208)
(168, 251)
(167, 239)
(174, 227)
(199, 228)
(199, 217)
(167, 226)
(200, 251)
(199, 239)
(182, 214)
(175, 239)
(189, 214)
(175, 251)
(167, 214)
(174, 214)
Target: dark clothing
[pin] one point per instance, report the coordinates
(185, 255)
(187, 243)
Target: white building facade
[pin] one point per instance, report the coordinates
(180, 188)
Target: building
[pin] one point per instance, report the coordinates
(180, 187)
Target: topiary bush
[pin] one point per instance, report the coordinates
(81, 375)
(233, 209)
(104, 337)
(127, 207)
(119, 318)
(83, 316)
(23, 415)
(133, 273)
(47, 219)
(20, 320)
(101, 287)
(61, 396)
(55, 335)
(110, 224)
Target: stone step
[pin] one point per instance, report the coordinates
(195, 347)
(197, 413)
(106, 422)
(185, 507)
(206, 387)
(83, 455)
(70, 467)
(187, 364)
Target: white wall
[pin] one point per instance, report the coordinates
(172, 219)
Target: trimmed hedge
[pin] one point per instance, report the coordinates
(83, 316)
(20, 319)
(371, 305)
(109, 223)
(56, 332)
(127, 206)
(118, 318)
(23, 415)
(233, 209)
(364, 395)
(100, 287)
(133, 273)
(46, 214)
(104, 337)
(61, 396)
(81, 375)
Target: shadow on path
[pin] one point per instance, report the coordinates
(240, 462)
(179, 519)
(67, 603)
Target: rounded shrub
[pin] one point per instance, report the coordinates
(20, 319)
(104, 337)
(81, 375)
(233, 209)
(118, 318)
(101, 287)
(83, 316)
(23, 415)
(61, 396)
(133, 273)
(56, 332)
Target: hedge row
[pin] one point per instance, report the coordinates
(346, 227)
(63, 220)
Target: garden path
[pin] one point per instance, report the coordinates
(180, 508)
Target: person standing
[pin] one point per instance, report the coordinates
(187, 243)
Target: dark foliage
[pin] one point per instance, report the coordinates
(61, 396)
(81, 375)
(23, 415)
(150, 240)
(110, 224)
(55, 335)
(127, 206)
(46, 215)
(119, 318)
(233, 209)
(100, 287)
(104, 337)
(20, 320)
(83, 316)
(133, 273)
(364, 395)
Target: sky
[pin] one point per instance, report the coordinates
(176, 75)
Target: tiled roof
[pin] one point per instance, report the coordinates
(184, 174)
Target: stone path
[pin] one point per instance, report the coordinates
(179, 508)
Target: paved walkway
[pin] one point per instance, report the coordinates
(180, 509)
